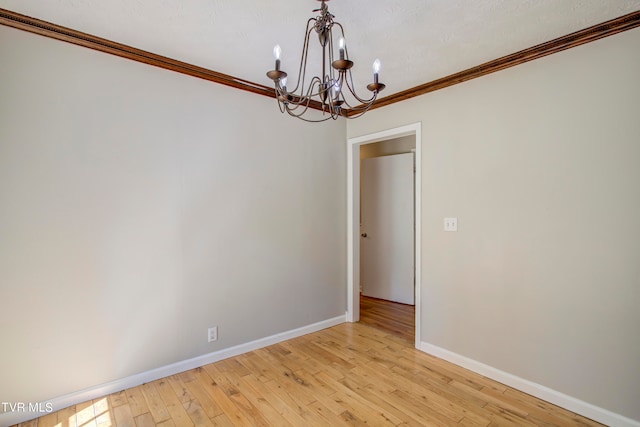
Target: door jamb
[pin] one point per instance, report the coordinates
(353, 216)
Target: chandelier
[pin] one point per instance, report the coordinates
(332, 92)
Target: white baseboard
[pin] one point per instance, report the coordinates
(11, 418)
(571, 403)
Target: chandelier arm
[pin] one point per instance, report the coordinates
(360, 107)
(333, 102)
(299, 115)
(353, 112)
(304, 108)
(296, 100)
(350, 86)
(310, 93)
(327, 107)
(291, 110)
(324, 119)
(282, 106)
(303, 58)
(362, 104)
(302, 73)
(303, 100)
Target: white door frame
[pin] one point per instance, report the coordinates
(353, 216)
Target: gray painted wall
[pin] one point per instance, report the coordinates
(138, 207)
(540, 163)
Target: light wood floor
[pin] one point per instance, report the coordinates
(351, 374)
(392, 317)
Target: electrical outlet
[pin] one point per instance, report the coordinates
(451, 224)
(213, 334)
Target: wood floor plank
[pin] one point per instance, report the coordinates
(223, 421)
(67, 417)
(85, 415)
(117, 399)
(350, 354)
(48, 420)
(155, 404)
(291, 414)
(315, 363)
(350, 374)
(172, 402)
(270, 414)
(496, 401)
(145, 420)
(222, 400)
(394, 318)
(233, 365)
(203, 396)
(547, 411)
(541, 414)
(505, 417)
(168, 423)
(123, 416)
(317, 388)
(254, 363)
(180, 389)
(439, 410)
(330, 358)
(137, 402)
(428, 398)
(331, 417)
(352, 420)
(288, 380)
(456, 373)
(470, 422)
(381, 399)
(237, 394)
(470, 407)
(103, 412)
(197, 413)
(309, 417)
(188, 376)
(349, 398)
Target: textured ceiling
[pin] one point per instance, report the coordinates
(417, 40)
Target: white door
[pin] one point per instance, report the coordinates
(386, 242)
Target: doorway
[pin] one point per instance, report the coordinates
(413, 132)
(386, 220)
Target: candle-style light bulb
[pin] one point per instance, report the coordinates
(336, 90)
(283, 83)
(341, 47)
(276, 54)
(376, 70)
(376, 66)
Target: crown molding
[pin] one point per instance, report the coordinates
(58, 32)
(47, 29)
(593, 33)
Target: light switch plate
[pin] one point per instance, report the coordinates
(451, 224)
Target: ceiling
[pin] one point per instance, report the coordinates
(417, 41)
